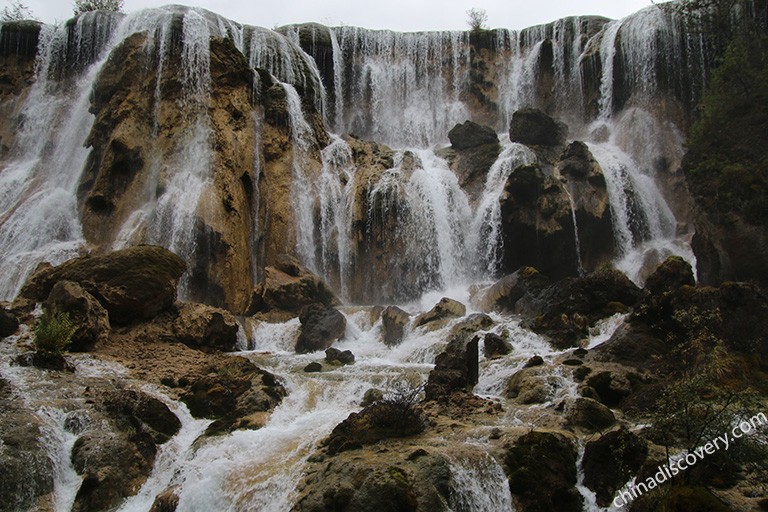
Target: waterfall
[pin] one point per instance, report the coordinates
(479, 485)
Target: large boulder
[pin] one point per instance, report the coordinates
(443, 311)
(589, 414)
(671, 275)
(289, 287)
(610, 461)
(235, 392)
(470, 135)
(541, 467)
(320, 327)
(537, 223)
(588, 190)
(535, 128)
(393, 322)
(133, 284)
(85, 312)
(205, 327)
(504, 293)
(8, 323)
(456, 369)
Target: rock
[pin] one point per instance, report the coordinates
(393, 322)
(385, 419)
(8, 323)
(334, 355)
(132, 284)
(44, 361)
(145, 414)
(534, 361)
(84, 311)
(541, 468)
(456, 369)
(610, 461)
(443, 310)
(372, 396)
(535, 128)
(683, 499)
(470, 135)
(671, 275)
(586, 185)
(495, 346)
(612, 387)
(537, 223)
(533, 385)
(590, 414)
(470, 325)
(471, 167)
(27, 471)
(166, 501)
(313, 367)
(504, 293)
(233, 392)
(289, 287)
(205, 327)
(565, 310)
(320, 327)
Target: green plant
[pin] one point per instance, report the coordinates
(54, 333)
(476, 19)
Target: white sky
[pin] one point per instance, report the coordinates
(402, 15)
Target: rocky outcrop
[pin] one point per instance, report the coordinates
(469, 135)
(535, 208)
(85, 312)
(133, 284)
(474, 149)
(336, 356)
(288, 287)
(535, 128)
(541, 467)
(235, 393)
(442, 312)
(495, 346)
(590, 415)
(204, 327)
(28, 472)
(588, 193)
(116, 458)
(320, 327)
(610, 461)
(456, 369)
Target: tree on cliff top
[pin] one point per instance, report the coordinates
(476, 19)
(82, 6)
(16, 11)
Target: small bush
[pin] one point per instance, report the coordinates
(398, 413)
(54, 333)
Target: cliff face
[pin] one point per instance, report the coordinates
(213, 139)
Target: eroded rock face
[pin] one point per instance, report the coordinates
(393, 322)
(612, 460)
(132, 284)
(456, 369)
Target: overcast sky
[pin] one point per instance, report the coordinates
(403, 15)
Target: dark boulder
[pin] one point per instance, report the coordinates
(444, 310)
(132, 284)
(537, 223)
(320, 327)
(610, 461)
(137, 411)
(8, 323)
(204, 327)
(456, 369)
(535, 128)
(313, 367)
(495, 346)
(541, 467)
(590, 414)
(470, 135)
(334, 355)
(84, 311)
(671, 275)
(393, 322)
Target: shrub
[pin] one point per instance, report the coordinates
(54, 333)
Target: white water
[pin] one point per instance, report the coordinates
(479, 485)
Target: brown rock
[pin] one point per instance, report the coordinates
(320, 327)
(443, 310)
(84, 311)
(201, 326)
(535, 128)
(393, 322)
(132, 284)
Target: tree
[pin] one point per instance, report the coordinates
(476, 19)
(16, 11)
(82, 6)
